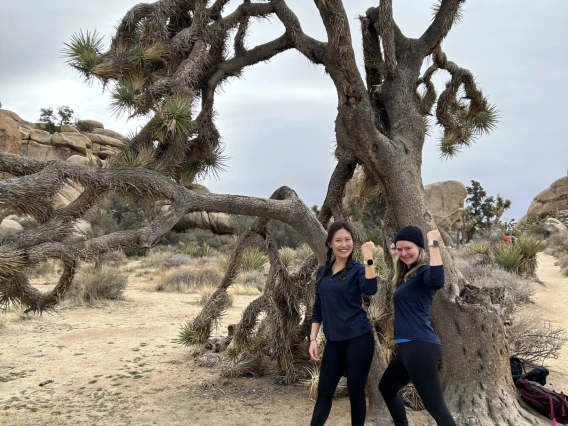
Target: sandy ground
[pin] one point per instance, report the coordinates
(551, 299)
(118, 364)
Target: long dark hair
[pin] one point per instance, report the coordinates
(335, 226)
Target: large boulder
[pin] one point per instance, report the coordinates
(40, 136)
(12, 115)
(446, 200)
(10, 138)
(550, 200)
(554, 227)
(110, 134)
(46, 152)
(75, 141)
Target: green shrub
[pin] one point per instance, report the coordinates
(194, 250)
(508, 256)
(186, 335)
(92, 285)
(253, 259)
(287, 256)
(529, 247)
(84, 126)
(223, 263)
(303, 251)
(175, 260)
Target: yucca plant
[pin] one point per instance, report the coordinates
(186, 335)
(478, 248)
(223, 263)
(529, 247)
(508, 256)
(303, 251)
(287, 256)
(253, 259)
(174, 117)
(83, 51)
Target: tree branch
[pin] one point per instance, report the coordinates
(447, 13)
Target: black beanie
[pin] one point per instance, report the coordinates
(412, 234)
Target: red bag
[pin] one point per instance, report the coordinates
(547, 402)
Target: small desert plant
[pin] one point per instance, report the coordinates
(43, 268)
(563, 263)
(303, 251)
(177, 260)
(253, 259)
(287, 256)
(223, 263)
(186, 335)
(254, 279)
(478, 248)
(187, 279)
(205, 293)
(195, 250)
(508, 256)
(97, 284)
(535, 340)
(529, 247)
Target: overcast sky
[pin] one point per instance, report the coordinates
(277, 122)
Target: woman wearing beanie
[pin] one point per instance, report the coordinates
(350, 342)
(419, 350)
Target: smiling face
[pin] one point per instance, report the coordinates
(408, 252)
(342, 244)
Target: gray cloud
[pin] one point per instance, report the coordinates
(277, 122)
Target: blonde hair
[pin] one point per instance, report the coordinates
(401, 271)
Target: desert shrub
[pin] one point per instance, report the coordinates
(43, 268)
(563, 263)
(115, 257)
(303, 251)
(186, 336)
(84, 126)
(188, 278)
(195, 250)
(205, 293)
(253, 259)
(252, 281)
(97, 284)
(535, 340)
(529, 247)
(223, 263)
(287, 256)
(508, 256)
(175, 260)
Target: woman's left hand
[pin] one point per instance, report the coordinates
(367, 250)
(432, 235)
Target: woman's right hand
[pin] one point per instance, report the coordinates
(314, 350)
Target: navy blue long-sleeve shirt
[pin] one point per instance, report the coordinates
(338, 303)
(412, 304)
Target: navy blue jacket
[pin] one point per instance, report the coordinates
(412, 304)
(339, 305)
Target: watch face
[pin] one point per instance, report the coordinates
(435, 243)
(370, 262)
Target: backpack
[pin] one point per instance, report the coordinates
(547, 402)
(537, 374)
(517, 368)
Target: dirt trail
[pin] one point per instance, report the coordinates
(551, 299)
(118, 364)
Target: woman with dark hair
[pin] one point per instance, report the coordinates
(415, 284)
(338, 305)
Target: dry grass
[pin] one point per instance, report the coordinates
(93, 285)
(493, 276)
(188, 278)
(242, 289)
(563, 263)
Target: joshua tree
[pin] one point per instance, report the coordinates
(167, 59)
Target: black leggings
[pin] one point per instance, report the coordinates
(416, 362)
(353, 357)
